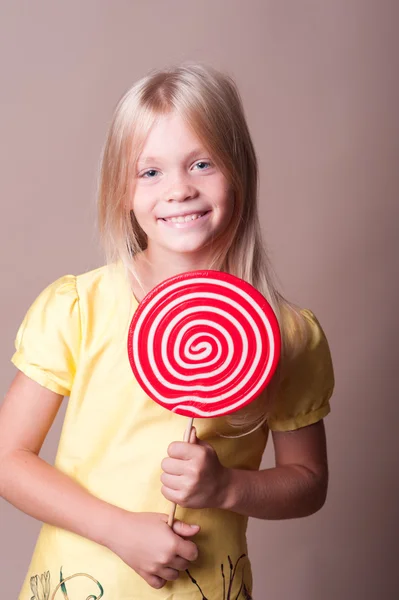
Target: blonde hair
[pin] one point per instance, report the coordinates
(210, 103)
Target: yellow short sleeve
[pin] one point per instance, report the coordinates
(305, 391)
(48, 340)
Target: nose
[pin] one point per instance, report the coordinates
(181, 189)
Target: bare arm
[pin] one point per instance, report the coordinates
(144, 541)
(26, 416)
(296, 487)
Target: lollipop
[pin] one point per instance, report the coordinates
(203, 344)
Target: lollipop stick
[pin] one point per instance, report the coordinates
(186, 438)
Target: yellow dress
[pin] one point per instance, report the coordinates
(73, 341)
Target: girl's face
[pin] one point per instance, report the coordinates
(182, 200)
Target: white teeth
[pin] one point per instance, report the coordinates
(186, 218)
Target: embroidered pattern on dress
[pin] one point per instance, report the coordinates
(243, 593)
(40, 586)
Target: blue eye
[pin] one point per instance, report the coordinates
(148, 172)
(202, 162)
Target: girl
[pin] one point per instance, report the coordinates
(177, 193)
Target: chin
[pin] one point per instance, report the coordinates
(185, 246)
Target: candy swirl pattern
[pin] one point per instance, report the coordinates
(203, 343)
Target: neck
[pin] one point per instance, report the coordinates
(153, 268)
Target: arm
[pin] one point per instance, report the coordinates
(295, 487)
(26, 416)
(144, 541)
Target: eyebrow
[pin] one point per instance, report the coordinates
(152, 159)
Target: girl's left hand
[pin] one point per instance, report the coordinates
(193, 476)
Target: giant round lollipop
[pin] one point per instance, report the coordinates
(203, 344)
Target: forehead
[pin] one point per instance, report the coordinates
(170, 135)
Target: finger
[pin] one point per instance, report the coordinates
(179, 563)
(153, 580)
(173, 482)
(169, 574)
(187, 549)
(183, 450)
(172, 466)
(193, 436)
(194, 439)
(184, 529)
(202, 443)
(176, 496)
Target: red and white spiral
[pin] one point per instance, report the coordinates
(204, 343)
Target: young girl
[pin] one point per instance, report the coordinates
(177, 193)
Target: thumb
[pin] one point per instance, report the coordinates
(196, 440)
(193, 436)
(184, 529)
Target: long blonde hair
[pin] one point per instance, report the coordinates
(210, 103)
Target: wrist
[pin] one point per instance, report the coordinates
(105, 522)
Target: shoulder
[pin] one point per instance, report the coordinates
(105, 298)
(314, 327)
(101, 284)
(313, 350)
(307, 376)
(316, 353)
(70, 283)
(96, 279)
(106, 283)
(302, 333)
(71, 287)
(78, 293)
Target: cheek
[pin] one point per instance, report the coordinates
(141, 204)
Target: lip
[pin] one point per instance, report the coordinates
(187, 224)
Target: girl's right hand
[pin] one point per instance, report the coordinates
(146, 543)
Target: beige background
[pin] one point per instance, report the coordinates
(319, 80)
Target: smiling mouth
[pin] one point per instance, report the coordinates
(186, 218)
